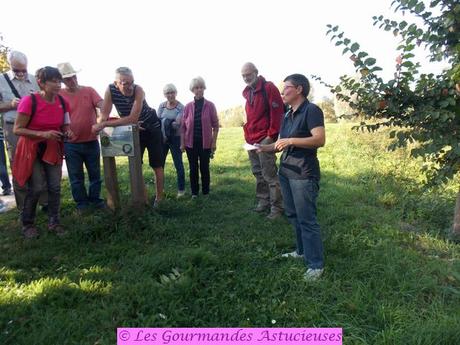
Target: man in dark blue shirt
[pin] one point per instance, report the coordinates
(301, 134)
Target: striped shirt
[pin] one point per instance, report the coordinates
(124, 104)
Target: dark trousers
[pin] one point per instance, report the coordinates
(4, 178)
(52, 175)
(198, 158)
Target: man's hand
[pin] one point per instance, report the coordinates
(97, 127)
(14, 103)
(68, 134)
(139, 124)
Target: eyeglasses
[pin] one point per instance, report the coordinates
(289, 86)
(15, 70)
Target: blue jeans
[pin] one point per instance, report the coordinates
(174, 146)
(4, 178)
(299, 197)
(88, 154)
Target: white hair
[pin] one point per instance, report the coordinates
(123, 71)
(251, 66)
(169, 88)
(18, 57)
(197, 81)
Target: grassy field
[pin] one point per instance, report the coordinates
(392, 275)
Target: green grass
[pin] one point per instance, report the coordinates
(392, 275)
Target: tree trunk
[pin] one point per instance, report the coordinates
(456, 228)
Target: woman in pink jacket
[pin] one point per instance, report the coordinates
(199, 130)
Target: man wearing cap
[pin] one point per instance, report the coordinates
(83, 148)
(15, 84)
(264, 110)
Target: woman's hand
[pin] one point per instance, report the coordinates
(182, 148)
(52, 135)
(282, 144)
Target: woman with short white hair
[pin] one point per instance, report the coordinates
(170, 113)
(199, 130)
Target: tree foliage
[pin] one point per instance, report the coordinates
(421, 108)
(3, 56)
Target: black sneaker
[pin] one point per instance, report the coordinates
(7, 191)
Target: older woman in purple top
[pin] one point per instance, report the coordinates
(199, 129)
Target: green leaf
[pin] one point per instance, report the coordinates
(419, 8)
(354, 47)
(369, 61)
(402, 25)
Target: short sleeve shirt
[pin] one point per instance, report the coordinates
(48, 116)
(300, 163)
(82, 113)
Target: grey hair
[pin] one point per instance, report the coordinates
(17, 56)
(169, 88)
(123, 71)
(197, 81)
(251, 66)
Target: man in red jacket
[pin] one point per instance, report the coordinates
(264, 110)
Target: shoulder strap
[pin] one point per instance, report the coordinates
(62, 103)
(34, 106)
(264, 94)
(13, 89)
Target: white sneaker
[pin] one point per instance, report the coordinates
(313, 274)
(180, 193)
(292, 255)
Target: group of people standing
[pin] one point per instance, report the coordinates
(43, 123)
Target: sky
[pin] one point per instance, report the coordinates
(176, 40)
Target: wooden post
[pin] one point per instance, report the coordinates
(456, 227)
(111, 183)
(138, 193)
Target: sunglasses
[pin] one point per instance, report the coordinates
(19, 70)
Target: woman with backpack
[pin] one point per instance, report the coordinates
(42, 124)
(170, 114)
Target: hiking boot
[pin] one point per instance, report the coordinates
(30, 232)
(313, 274)
(293, 254)
(261, 208)
(58, 229)
(180, 193)
(274, 214)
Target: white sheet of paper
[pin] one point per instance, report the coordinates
(249, 147)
